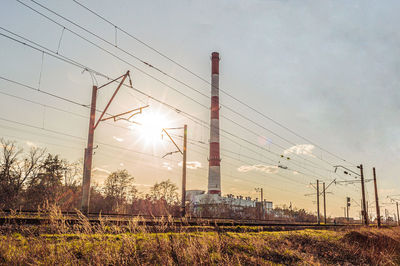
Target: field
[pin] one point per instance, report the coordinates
(83, 243)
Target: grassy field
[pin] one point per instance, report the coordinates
(58, 243)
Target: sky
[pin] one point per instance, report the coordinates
(326, 70)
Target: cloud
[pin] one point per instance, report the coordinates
(191, 165)
(101, 171)
(304, 149)
(168, 166)
(31, 144)
(118, 139)
(100, 174)
(269, 169)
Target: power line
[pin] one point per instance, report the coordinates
(67, 60)
(193, 142)
(142, 71)
(112, 146)
(203, 79)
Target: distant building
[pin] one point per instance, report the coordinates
(214, 204)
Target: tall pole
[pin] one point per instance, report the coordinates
(262, 203)
(318, 219)
(323, 187)
(184, 171)
(87, 172)
(397, 205)
(364, 209)
(88, 157)
(378, 212)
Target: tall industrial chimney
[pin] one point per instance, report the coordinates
(214, 171)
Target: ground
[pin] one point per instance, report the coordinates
(135, 245)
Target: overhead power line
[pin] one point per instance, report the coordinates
(116, 147)
(193, 142)
(207, 81)
(67, 60)
(158, 69)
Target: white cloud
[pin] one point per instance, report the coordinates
(191, 165)
(100, 175)
(31, 144)
(269, 169)
(100, 171)
(304, 149)
(167, 165)
(118, 139)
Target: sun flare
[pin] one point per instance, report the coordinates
(150, 126)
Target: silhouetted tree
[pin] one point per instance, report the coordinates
(119, 189)
(165, 190)
(16, 171)
(47, 184)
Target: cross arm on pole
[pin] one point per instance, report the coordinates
(333, 181)
(341, 166)
(115, 93)
(132, 112)
(163, 130)
(311, 184)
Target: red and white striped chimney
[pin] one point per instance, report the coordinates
(214, 171)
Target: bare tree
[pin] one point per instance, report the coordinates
(119, 188)
(73, 174)
(15, 172)
(46, 186)
(165, 190)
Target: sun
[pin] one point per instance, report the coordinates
(149, 127)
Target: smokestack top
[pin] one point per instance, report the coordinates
(215, 62)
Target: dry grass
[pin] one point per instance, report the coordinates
(83, 243)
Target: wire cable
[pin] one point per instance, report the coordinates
(205, 80)
(150, 65)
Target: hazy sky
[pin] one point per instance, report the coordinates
(328, 70)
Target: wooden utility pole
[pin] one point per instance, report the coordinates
(318, 218)
(88, 157)
(397, 205)
(184, 171)
(323, 187)
(184, 154)
(364, 208)
(378, 212)
(88, 160)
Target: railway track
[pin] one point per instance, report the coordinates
(71, 218)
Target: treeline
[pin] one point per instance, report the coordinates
(32, 179)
